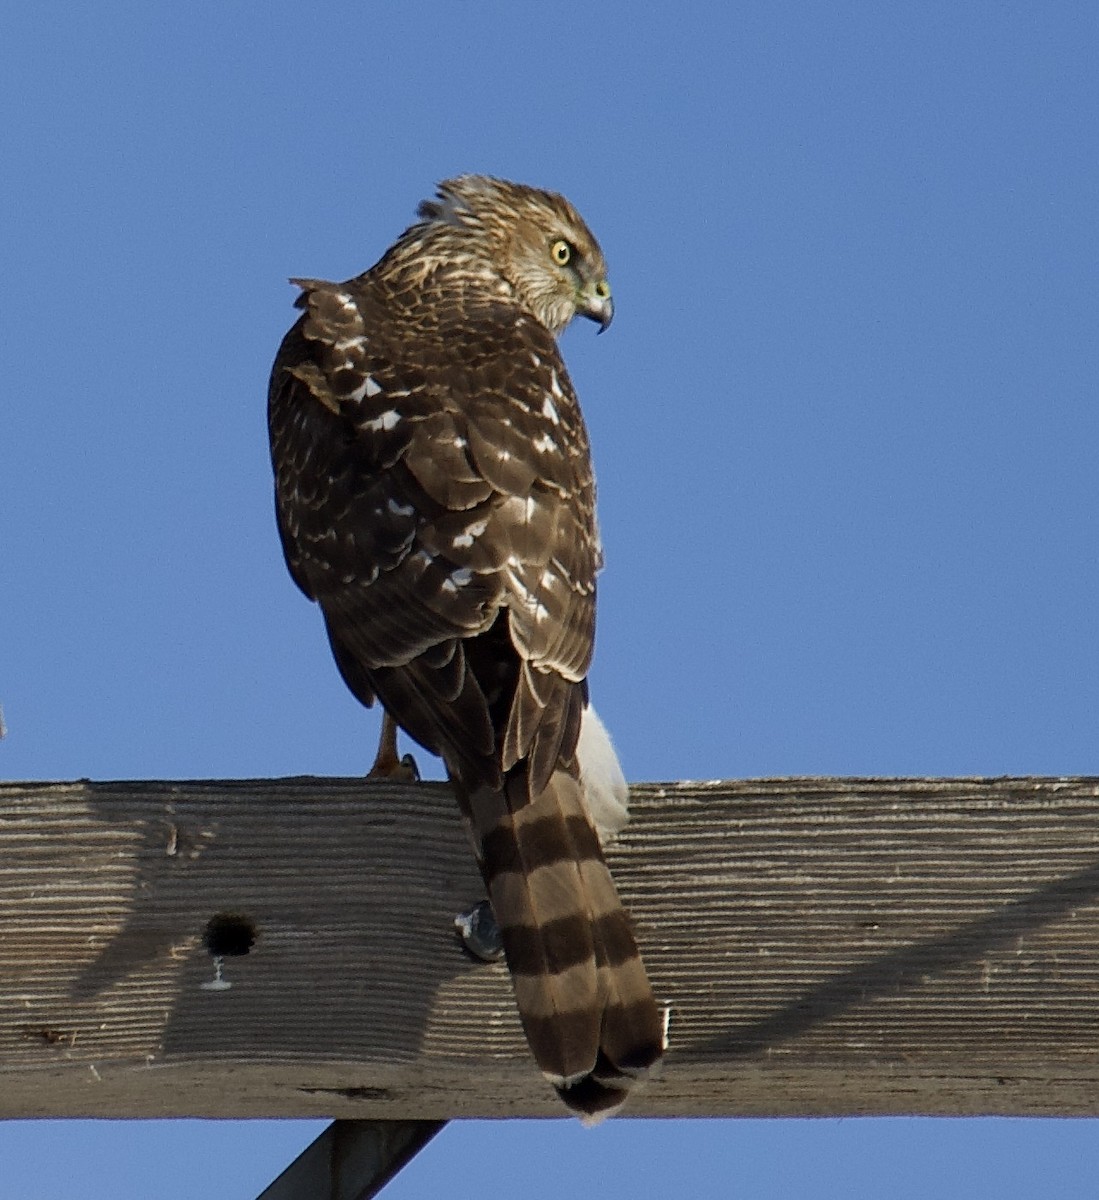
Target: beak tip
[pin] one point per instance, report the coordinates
(597, 306)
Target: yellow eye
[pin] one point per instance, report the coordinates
(561, 252)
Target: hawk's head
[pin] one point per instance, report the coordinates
(536, 240)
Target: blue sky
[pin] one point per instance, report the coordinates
(844, 424)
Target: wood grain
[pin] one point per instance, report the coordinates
(828, 946)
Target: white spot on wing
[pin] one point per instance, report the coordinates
(464, 540)
(399, 510)
(457, 579)
(387, 421)
(529, 601)
(514, 574)
(368, 388)
(549, 409)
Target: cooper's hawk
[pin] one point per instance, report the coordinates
(435, 496)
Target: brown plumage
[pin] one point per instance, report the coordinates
(435, 497)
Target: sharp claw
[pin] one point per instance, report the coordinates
(403, 771)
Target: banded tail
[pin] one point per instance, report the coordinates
(583, 995)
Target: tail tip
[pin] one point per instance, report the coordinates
(599, 1093)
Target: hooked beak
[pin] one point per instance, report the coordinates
(596, 304)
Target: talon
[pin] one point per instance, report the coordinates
(479, 933)
(403, 770)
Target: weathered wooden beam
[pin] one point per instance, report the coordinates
(827, 946)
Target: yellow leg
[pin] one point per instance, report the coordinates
(387, 763)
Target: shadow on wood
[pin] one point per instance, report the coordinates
(913, 966)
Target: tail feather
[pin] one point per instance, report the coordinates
(581, 988)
